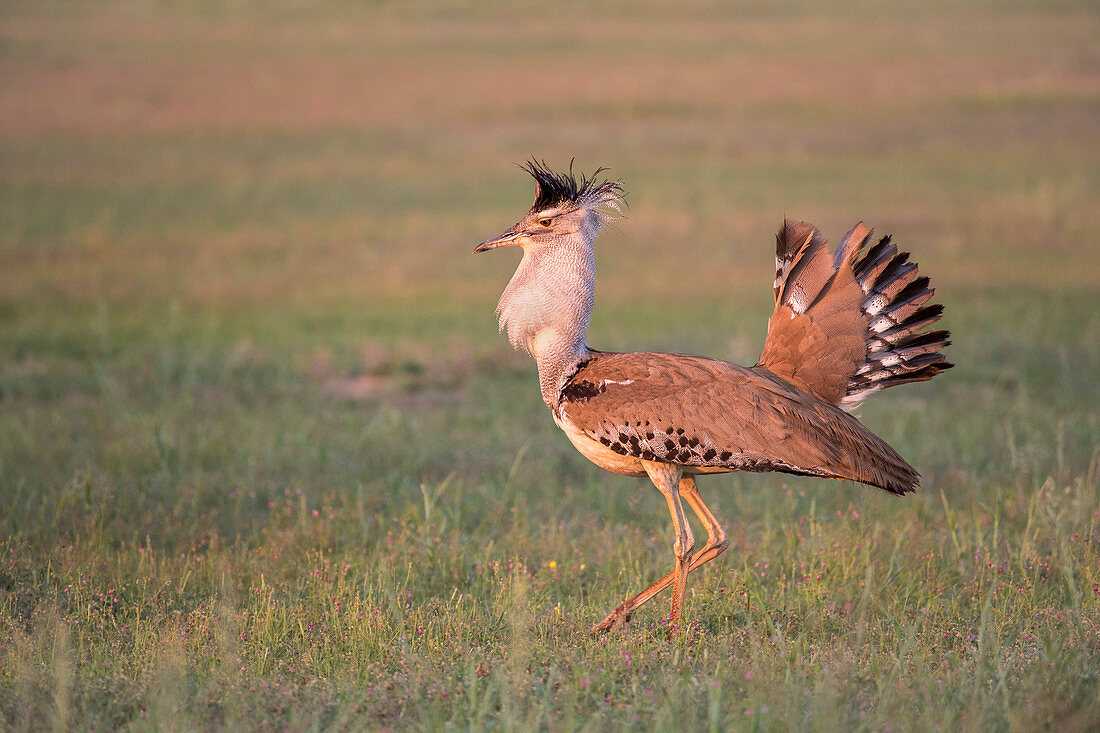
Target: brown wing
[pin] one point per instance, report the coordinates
(703, 412)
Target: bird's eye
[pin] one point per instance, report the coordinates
(546, 222)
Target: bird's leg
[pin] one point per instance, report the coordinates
(666, 477)
(716, 544)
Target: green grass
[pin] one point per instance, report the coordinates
(266, 463)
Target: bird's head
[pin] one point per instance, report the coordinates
(566, 206)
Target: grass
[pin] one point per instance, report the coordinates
(266, 463)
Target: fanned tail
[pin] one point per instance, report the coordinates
(851, 324)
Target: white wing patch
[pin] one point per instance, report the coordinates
(797, 300)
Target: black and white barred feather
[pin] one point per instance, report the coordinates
(899, 350)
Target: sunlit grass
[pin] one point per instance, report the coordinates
(266, 463)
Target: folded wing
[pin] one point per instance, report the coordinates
(715, 415)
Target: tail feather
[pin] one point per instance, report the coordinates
(849, 325)
(872, 263)
(899, 307)
(889, 336)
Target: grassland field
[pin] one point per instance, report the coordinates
(266, 463)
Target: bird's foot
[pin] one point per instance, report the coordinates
(617, 619)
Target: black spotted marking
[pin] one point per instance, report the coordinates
(725, 456)
(605, 440)
(683, 442)
(670, 444)
(649, 435)
(679, 431)
(694, 442)
(618, 448)
(580, 391)
(648, 454)
(685, 456)
(710, 454)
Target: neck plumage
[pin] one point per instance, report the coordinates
(547, 305)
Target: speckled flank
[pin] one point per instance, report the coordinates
(678, 445)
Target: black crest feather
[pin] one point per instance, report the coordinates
(555, 189)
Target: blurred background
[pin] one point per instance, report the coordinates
(333, 159)
(292, 190)
(237, 292)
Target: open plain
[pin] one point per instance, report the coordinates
(266, 462)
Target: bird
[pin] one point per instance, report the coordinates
(846, 324)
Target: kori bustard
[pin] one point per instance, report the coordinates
(846, 324)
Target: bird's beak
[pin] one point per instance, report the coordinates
(506, 238)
